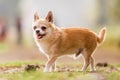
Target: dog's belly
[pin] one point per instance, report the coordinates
(49, 51)
(70, 51)
(57, 51)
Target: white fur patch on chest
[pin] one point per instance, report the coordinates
(42, 50)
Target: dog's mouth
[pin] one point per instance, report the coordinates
(40, 36)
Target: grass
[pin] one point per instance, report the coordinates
(40, 75)
(114, 76)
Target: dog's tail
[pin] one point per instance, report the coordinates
(101, 36)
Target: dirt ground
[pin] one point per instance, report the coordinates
(25, 54)
(29, 54)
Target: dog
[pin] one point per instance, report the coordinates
(54, 41)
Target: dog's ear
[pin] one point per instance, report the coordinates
(49, 17)
(36, 16)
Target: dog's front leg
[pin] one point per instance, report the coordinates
(49, 64)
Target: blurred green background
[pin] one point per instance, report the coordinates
(17, 46)
(16, 18)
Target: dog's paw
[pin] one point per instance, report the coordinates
(46, 70)
(93, 70)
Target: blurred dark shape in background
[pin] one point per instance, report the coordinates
(88, 13)
(3, 30)
(102, 13)
(108, 12)
(19, 30)
(16, 18)
(119, 43)
(115, 11)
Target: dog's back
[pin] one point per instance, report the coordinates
(74, 40)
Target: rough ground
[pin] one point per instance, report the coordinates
(97, 75)
(29, 54)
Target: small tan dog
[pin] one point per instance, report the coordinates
(55, 42)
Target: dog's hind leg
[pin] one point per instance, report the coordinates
(86, 60)
(92, 68)
(49, 64)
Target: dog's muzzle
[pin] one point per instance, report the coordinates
(39, 35)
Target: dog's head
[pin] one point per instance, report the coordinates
(43, 27)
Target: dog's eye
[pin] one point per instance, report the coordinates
(43, 28)
(34, 27)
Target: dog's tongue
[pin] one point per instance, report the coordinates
(39, 36)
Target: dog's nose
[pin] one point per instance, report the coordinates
(37, 31)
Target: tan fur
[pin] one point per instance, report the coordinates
(101, 36)
(67, 41)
